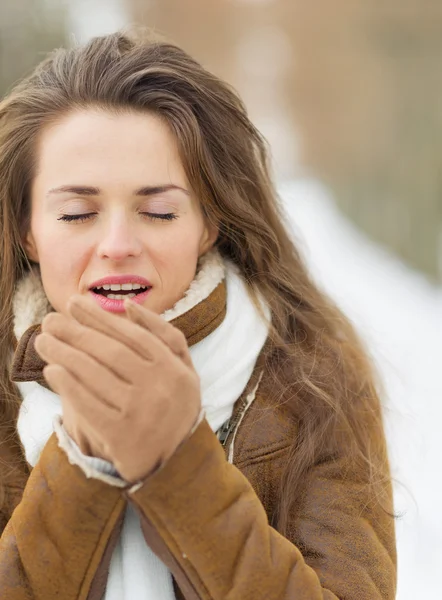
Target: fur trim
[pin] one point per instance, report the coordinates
(31, 305)
(210, 273)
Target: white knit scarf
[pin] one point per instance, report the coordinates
(224, 361)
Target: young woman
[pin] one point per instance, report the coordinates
(183, 413)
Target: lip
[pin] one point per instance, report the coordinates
(120, 279)
(117, 306)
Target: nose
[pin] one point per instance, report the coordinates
(119, 240)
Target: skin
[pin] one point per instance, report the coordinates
(128, 388)
(109, 159)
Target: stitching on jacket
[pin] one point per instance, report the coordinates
(157, 519)
(206, 325)
(263, 457)
(270, 447)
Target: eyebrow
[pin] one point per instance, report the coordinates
(82, 190)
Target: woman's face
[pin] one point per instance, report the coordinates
(110, 198)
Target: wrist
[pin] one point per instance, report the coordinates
(92, 467)
(137, 477)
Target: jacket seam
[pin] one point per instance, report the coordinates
(100, 548)
(265, 449)
(263, 457)
(159, 521)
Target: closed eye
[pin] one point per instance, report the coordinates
(85, 217)
(78, 218)
(163, 217)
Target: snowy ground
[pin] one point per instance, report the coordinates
(400, 317)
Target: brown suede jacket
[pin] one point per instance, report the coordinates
(206, 518)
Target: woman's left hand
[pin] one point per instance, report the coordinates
(130, 381)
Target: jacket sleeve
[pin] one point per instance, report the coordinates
(202, 517)
(59, 532)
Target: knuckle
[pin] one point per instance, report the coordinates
(183, 378)
(82, 337)
(179, 341)
(49, 321)
(180, 337)
(77, 360)
(114, 352)
(128, 408)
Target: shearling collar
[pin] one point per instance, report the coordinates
(201, 310)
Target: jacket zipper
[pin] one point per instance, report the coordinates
(225, 431)
(231, 425)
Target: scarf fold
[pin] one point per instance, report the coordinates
(224, 361)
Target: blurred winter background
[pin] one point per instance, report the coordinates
(349, 95)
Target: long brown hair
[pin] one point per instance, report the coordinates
(318, 366)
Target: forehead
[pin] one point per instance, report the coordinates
(99, 145)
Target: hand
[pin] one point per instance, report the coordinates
(128, 388)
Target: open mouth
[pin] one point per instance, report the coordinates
(120, 292)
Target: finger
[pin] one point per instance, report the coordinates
(103, 384)
(167, 333)
(79, 398)
(144, 343)
(114, 355)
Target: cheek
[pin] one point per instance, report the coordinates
(62, 261)
(174, 256)
(178, 246)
